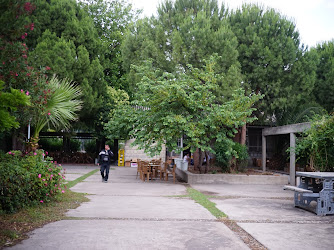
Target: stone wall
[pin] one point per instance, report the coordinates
(135, 153)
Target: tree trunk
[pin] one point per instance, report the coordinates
(243, 135)
(200, 160)
(196, 160)
(207, 163)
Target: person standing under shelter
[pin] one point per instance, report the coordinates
(104, 161)
(186, 158)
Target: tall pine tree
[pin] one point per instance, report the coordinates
(65, 39)
(185, 32)
(324, 86)
(273, 61)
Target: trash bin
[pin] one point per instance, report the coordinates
(184, 166)
(178, 163)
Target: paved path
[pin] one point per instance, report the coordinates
(127, 213)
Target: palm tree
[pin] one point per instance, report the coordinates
(60, 108)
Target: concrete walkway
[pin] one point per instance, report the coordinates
(127, 213)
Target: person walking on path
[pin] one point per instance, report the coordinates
(104, 160)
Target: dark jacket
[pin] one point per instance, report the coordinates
(105, 156)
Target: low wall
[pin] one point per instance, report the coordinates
(232, 178)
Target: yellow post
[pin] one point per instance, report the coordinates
(121, 158)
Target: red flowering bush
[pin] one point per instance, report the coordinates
(13, 51)
(27, 179)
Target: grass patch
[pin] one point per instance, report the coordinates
(81, 178)
(203, 200)
(177, 196)
(14, 227)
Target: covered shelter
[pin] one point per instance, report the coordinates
(281, 130)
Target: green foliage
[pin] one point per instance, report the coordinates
(65, 40)
(9, 102)
(56, 105)
(74, 145)
(26, 179)
(15, 27)
(227, 150)
(51, 144)
(224, 153)
(184, 32)
(273, 62)
(317, 144)
(111, 19)
(80, 41)
(56, 144)
(168, 106)
(324, 87)
(113, 99)
(90, 146)
(303, 113)
(241, 156)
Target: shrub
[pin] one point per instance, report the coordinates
(56, 144)
(51, 144)
(90, 146)
(317, 145)
(74, 145)
(230, 153)
(27, 179)
(224, 154)
(241, 156)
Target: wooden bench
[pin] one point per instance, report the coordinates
(297, 189)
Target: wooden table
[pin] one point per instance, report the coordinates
(154, 168)
(315, 192)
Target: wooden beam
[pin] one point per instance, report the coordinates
(287, 129)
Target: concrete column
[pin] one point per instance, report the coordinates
(264, 153)
(292, 159)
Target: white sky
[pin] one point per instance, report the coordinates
(314, 18)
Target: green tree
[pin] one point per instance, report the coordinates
(80, 40)
(9, 103)
(168, 106)
(324, 86)
(115, 100)
(65, 39)
(111, 19)
(15, 70)
(273, 62)
(184, 32)
(55, 105)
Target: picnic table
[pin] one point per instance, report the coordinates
(315, 192)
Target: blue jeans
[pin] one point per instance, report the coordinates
(105, 170)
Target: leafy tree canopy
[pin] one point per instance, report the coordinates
(324, 85)
(273, 62)
(184, 32)
(65, 40)
(9, 102)
(170, 105)
(111, 19)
